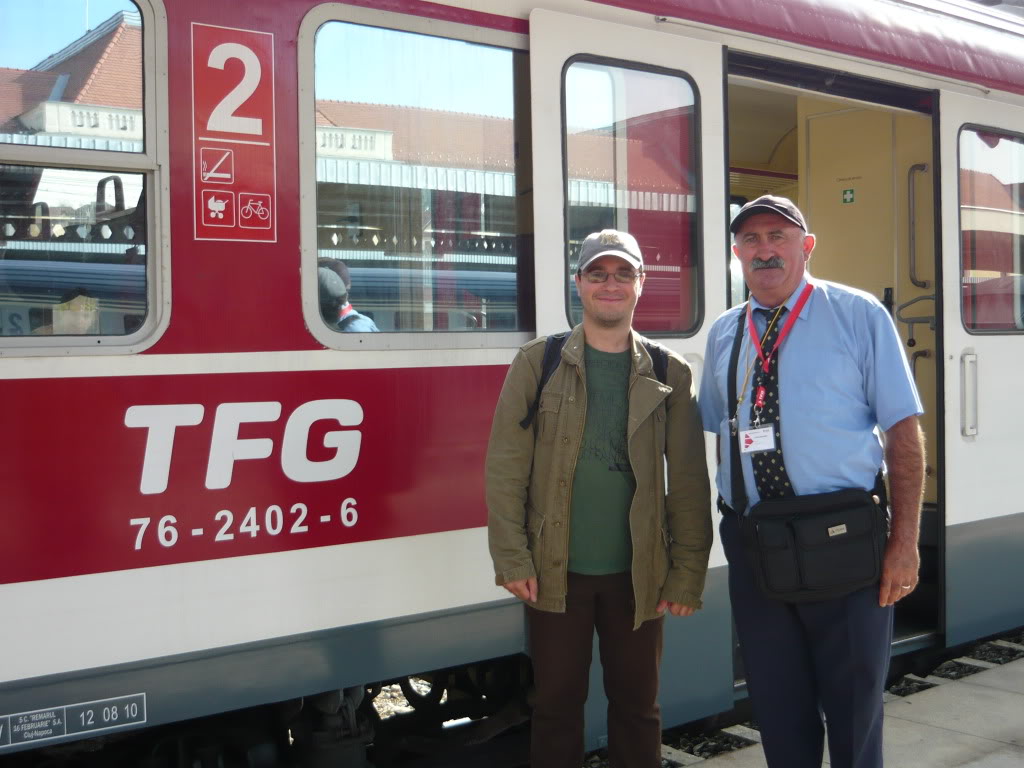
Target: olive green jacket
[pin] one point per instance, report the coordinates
(530, 478)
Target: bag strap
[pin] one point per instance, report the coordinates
(659, 359)
(739, 490)
(552, 356)
(881, 493)
(347, 320)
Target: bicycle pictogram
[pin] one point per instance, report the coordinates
(254, 211)
(255, 208)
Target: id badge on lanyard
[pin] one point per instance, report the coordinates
(757, 439)
(761, 436)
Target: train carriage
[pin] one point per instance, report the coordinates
(215, 500)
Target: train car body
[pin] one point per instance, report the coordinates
(215, 500)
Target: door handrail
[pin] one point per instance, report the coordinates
(916, 168)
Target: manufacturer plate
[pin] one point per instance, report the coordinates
(70, 719)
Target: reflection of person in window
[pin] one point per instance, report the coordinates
(338, 312)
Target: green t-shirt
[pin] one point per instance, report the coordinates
(604, 484)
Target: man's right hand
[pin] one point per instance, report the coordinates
(524, 589)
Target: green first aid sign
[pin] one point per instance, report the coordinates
(847, 196)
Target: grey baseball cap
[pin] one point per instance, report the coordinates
(610, 242)
(782, 206)
(332, 287)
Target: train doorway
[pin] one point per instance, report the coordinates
(858, 158)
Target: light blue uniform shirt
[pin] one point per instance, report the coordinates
(842, 372)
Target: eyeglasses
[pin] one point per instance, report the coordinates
(600, 276)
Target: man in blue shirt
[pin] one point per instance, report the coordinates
(839, 377)
(334, 282)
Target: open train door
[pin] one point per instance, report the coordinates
(982, 146)
(628, 127)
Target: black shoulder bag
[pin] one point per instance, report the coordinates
(814, 547)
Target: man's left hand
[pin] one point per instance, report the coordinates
(676, 609)
(899, 572)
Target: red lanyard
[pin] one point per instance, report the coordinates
(766, 360)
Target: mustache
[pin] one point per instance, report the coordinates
(775, 262)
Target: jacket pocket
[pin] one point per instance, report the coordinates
(662, 556)
(660, 417)
(547, 415)
(534, 528)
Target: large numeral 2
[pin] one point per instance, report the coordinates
(223, 117)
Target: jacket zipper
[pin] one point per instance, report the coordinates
(633, 375)
(572, 473)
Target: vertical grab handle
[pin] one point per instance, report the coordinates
(916, 168)
(968, 394)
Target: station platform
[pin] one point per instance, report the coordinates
(974, 722)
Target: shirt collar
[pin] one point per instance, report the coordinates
(792, 300)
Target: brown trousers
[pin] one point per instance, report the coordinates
(560, 646)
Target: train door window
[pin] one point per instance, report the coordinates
(416, 218)
(992, 230)
(75, 169)
(631, 156)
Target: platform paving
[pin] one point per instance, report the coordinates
(974, 722)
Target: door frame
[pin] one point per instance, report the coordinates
(979, 431)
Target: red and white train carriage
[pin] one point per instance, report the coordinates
(214, 500)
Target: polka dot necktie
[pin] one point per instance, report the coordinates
(770, 476)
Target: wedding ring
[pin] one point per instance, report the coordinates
(905, 586)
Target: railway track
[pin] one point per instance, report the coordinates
(699, 742)
(410, 730)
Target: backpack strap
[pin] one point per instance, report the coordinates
(659, 359)
(347, 320)
(552, 357)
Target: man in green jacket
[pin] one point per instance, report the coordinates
(581, 527)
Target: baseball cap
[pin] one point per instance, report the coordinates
(610, 242)
(337, 266)
(332, 287)
(783, 206)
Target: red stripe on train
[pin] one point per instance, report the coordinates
(352, 456)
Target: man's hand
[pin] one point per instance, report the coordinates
(904, 455)
(676, 609)
(899, 572)
(524, 589)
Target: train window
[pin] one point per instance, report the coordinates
(73, 81)
(76, 170)
(992, 230)
(415, 173)
(72, 252)
(631, 158)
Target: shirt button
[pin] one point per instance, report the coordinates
(561, 483)
(572, 399)
(558, 523)
(565, 439)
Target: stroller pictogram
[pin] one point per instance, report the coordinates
(216, 207)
